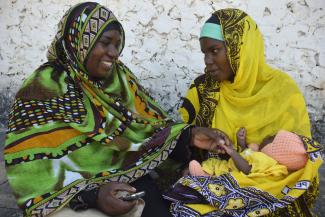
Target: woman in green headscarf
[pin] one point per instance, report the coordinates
(82, 126)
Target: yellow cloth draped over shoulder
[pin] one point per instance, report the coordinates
(263, 100)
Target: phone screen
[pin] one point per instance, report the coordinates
(134, 196)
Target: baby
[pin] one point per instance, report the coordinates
(284, 151)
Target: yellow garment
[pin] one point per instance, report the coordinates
(261, 99)
(264, 168)
(266, 173)
(267, 177)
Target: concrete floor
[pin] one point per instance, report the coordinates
(8, 207)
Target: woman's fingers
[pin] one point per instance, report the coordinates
(215, 146)
(205, 133)
(109, 203)
(124, 187)
(115, 206)
(210, 139)
(224, 137)
(125, 206)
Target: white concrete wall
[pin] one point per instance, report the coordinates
(162, 46)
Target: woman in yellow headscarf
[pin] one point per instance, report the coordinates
(240, 89)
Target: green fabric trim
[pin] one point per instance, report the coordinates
(29, 210)
(14, 136)
(212, 30)
(54, 151)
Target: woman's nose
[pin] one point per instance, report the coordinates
(113, 52)
(207, 59)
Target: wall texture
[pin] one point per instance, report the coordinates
(162, 46)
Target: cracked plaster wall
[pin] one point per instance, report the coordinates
(162, 46)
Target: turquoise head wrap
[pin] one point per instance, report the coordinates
(212, 29)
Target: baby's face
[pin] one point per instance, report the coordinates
(266, 140)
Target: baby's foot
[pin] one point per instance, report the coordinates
(241, 137)
(196, 169)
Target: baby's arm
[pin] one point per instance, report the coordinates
(241, 137)
(239, 161)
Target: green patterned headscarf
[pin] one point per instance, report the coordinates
(67, 133)
(79, 30)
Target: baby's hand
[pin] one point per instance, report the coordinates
(227, 147)
(216, 147)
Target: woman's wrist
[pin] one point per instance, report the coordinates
(85, 199)
(232, 152)
(191, 136)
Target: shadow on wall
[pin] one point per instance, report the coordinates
(318, 127)
(6, 100)
(7, 96)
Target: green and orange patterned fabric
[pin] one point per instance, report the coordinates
(67, 132)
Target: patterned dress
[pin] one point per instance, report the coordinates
(68, 133)
(262, 99)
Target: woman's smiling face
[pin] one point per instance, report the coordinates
(216, 60)
(104, 53)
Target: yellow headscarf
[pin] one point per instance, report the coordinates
(261, 99)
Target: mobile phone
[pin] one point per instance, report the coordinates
(134, 196)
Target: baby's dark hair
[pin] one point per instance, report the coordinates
(267, 140)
